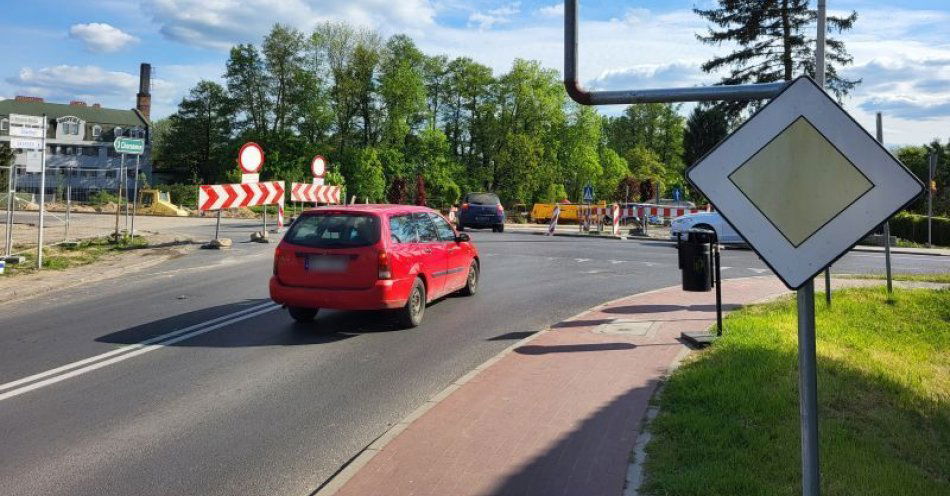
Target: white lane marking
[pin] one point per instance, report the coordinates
(618, 261)
(127, 352)
(723, 267)
(581, 260)
(758, 271)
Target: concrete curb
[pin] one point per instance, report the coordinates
(338, 480)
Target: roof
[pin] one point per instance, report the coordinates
(87, 113)
(373, 207)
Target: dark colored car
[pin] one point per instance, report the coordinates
(481, 210)
(371, 257)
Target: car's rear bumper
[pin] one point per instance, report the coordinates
(482, 220)
(383, 294)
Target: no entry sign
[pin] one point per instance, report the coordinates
(802, 182)
(251, 158)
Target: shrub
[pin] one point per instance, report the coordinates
(913, 227)
(182, 194)
(103, 197)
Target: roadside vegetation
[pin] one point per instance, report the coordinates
(60, 257)
(729, 419)
(937, 277)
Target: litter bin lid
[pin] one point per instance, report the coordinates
(701, 235)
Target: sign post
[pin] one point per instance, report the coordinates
(932, 169)
(802, 183)
(887, 223)
(126, 146)
(319, 169)
(250, 160)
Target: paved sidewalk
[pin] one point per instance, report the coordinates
(557, 414)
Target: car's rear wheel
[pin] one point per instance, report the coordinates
(411, 314)
(471, 284)
(498, 228)
(460, 227)
(303, 315)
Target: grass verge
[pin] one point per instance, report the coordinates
(729, 419)
(86, 252)
(938, 277)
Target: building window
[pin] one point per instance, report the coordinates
(96, 131)
(4, 124)
(117, 132)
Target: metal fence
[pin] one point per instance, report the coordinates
(79, 203)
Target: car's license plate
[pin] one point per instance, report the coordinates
(483, 219)
(326, 263)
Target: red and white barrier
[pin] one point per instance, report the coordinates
(220, 196)
(315, 193)
(616, 219)
(650, 210)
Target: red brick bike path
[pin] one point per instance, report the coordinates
(557, 414)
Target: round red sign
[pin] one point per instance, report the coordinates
(251, 158)
(318, 166)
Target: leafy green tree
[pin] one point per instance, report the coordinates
(434, 165)
(247, 83)
(707, 125)
(614, 170)
(519, 167)
(581, 163)
(198, 144)
(365, 179)
(646, 167)
(656, 127)
(774, 42)
(402, 89)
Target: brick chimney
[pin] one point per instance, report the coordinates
(28, 99)
(143, 101)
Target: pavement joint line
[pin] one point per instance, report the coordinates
(102, 360)
(338, 480)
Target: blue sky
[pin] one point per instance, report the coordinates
(90, 50)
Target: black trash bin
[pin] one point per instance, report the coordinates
(696, 261)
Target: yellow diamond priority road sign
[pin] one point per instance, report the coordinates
(802, 182)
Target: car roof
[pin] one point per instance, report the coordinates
(369, 208)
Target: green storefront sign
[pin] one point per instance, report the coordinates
(133, 146)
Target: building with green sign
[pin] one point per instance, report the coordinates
(79, 142)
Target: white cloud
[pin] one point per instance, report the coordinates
(556, 10)
(100, 37)
(501, 15)
(222, 23)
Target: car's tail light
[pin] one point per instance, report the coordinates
(276, 258)
(465, 206)
(501, 209)
(385, 271)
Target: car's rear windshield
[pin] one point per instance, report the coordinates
(482, 199)
(334, 230)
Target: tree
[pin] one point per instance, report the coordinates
(646, 167)
(707, 125)
(365, 179)
(402, 89)
(614, 170)
(774, 44)
(283, 50)
(247, 83)
(197, 144)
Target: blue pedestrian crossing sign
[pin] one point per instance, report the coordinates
(588, 193)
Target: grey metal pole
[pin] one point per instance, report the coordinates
(39, 236)
(11, 205)
(820, 79)
(887, 223)
(217, 225)
(135, 193)
(930, 198)
(125, 197)
(118, 194)
(808, 390)
(264, 228)
(718, 290)
(69, 201)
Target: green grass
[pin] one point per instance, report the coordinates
(729, 419)
(938, 277)
(87, 252)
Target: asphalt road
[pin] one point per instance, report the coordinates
(222, 393)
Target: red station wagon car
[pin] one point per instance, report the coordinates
(371, 257)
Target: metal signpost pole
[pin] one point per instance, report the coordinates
(69, 201)
(930, 197)
(820, 79)
(887, 223)
(125, 196)
(808, 389)
(718, 290)
(11, 205)
(135, 193)
(118, 194)
(217, 225)
(39, 236)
